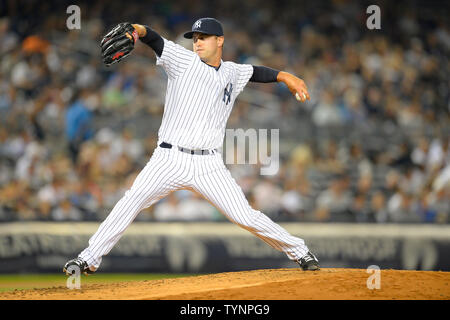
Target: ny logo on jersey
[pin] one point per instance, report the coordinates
(197, 24)
(227, 93)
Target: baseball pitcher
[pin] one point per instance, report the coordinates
(201, 91)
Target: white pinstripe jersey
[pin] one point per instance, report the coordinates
(199, 98)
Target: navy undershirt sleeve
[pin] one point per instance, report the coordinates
(154, 40)
(264, 74)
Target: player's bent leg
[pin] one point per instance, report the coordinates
(154, 182)
(217, 185)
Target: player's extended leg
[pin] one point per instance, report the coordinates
(214, 181)
(165, 172)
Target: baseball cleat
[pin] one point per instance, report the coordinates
(309, 262)
(77, 263)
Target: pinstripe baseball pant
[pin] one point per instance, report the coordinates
(169, 170)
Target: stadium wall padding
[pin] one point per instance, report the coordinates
(36, 247)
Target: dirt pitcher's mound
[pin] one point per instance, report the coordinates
(279, 284)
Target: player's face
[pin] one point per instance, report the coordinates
(206, 46)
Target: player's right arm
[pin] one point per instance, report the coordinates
(296, 85)
(172, 57)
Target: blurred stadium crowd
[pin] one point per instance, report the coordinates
(371, 146)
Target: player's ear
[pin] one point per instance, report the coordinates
(220, 41)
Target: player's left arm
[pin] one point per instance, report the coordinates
(150, 37)
(296, 85)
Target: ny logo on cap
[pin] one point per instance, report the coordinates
(197, 24)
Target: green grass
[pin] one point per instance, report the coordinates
(10, 282)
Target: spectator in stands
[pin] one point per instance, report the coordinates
(78, 124)
(377, 208)
(296, 201)
(360, 210)
(439, 203)
(82, 200)
(327, 113)
(267, 196)
(195, 208)
(66, 212)
(401, 208)
(334, 203)
(438, 154)
(168, 209)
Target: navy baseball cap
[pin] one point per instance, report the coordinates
(206, 26)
